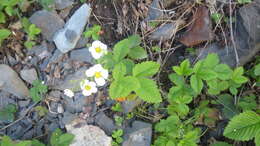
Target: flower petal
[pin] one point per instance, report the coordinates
(100, 81)
(104, 73)
(90, 72)
(86, 93)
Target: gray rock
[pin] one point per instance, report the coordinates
(129, 106)
(48, 22)
(71, 81)
(246, 38)
(154, 12)
(82, 55)
(164, 32)
(140, 134)
(87, 135)
(68, 118)
(75, 105)
(52, 127)
(29, 75)
(5, 99)
(67, 38)
(105, 123)
(10, 82)
(82, 42)
(62, 4)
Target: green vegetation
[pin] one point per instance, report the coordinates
(57, 139)
(8, 113)
(93, 32)
(117, 137)
(38, 90)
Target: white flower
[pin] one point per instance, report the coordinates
(68, 93)
(98, 49)
(88, 87)
(99, 73)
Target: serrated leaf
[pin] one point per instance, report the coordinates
(257, 139)
(2, 17)
(211, 61)
(243, 127)
(184, 68)
(123, 87)
(122, 48)
(238, 77)
(223, 71)
(168, 124)
(137, 53)
(196, 84)
(55, 137)
(207, 74)
(146, 69)
(180, 109)
(119, 71)
(148, 91)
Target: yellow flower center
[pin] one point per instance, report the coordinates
(98, 50)
(98, 74)
(87, 87)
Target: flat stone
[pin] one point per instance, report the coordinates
(48, 22)
(164, 32)
(81, 55)
(5, 99)
(87, 135)
(67, 38)
(12, 83)
(62, 4)
(105, 123)
(71, 81)
(140, 134)
(68, 118)
(77, 104)
(29, 75)
(23, 103)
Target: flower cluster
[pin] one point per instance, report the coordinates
(96, 72)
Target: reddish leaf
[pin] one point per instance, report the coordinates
(200, 30)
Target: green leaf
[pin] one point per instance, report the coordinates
(129, 66)
(65, 139)
(9, 10)
(24, 143)
(257, 138)
(26, 24)
(220, 143)
(4, 33)
(123, 87)
(6, 141)
(207, 74)
(180, 109)
(196, 84)
(238, 77)
(137, 53)
(54, 141)
(257, 70)
(36, 143)
(176, 79)
(248, 103)
(7, 113)
(29, 44)
(244, 1)
(2, 17)
(33, 30)
(233, 90)
(216, 17)
(184, 69)
(223, 71)
(167, 125)
(122, 48)
(229, 109)
(148, 91)
(146, 69)
(119, 71)
(211, 61)
(198, 66)
(243, 127)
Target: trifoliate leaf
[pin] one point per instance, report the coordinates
(148, 91)
(122, 48)
(238, 77)
(243, 127)
(176, 79)
(211, 61)
(184, 69)
(146, 69)
(129, 64)
(167, 125)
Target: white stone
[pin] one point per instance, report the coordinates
(67, 38)
(87, 135)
